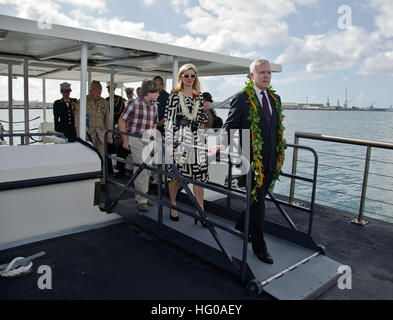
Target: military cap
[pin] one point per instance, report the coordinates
(96, 85)
(108, 84)
(65, 86)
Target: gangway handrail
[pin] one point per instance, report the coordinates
(209, 185)
(290, 204)
(184, 182)
(359, 142)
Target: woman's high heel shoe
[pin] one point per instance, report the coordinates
(202, 223)
(173, 218)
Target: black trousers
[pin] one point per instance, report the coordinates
(121, 153)
(70, 134)
(257, 215)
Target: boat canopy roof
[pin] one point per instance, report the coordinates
(54, 52)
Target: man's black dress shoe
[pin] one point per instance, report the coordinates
(119, 174)
(264, 256)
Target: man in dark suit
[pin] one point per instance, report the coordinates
(118, 103)
(64, 111)
(260, 74)
(161, 103)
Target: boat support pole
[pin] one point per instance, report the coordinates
(26, 98)
(112, 97)
(175, 70)
(82, 105)
(10, 111)
(88, 80)
(44, 100)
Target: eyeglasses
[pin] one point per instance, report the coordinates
(186, 76)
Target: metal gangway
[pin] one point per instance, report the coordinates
(301, 270)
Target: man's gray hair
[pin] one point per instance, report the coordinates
(256, 63)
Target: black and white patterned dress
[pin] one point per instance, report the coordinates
(191, 163)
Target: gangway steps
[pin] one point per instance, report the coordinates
(306, 281)
(297, 272)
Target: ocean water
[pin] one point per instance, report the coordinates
(341, 166)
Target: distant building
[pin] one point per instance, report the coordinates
(19, 104)
(290, 105)
(311, 106)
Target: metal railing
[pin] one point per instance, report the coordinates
(11, 130)
(368, 144)
(161, 201)
(312, 183)
(25, 136)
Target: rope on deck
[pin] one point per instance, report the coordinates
(10, 271)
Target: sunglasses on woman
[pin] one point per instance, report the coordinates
(186, 76)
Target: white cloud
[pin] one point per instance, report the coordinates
(47, 9)
(230, 25)
(290, 78)
(383, 20)
(330, 51)
(178, 5)
(149, 2)
(381, 63)
(248, 55)
(98, 5)
(128, 28)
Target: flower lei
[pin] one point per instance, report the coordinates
(190, 116)
(257, 140)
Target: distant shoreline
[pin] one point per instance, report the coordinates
(284, 108)
(22, 108)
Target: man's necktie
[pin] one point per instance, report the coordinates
(266, 110)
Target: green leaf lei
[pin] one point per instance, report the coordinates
(257, 140)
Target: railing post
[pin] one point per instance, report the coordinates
(359, 219)
(159, 185)
(294, 165)
(229, 201)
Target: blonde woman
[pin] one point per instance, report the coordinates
(184, 115)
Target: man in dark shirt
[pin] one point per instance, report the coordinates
(118, 103)
(118, 107)
(64, 111)
(161, 103)
(214, 121)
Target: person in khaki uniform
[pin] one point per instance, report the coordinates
(97, 117)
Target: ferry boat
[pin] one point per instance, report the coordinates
(99, 246)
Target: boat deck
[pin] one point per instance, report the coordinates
(122, 261)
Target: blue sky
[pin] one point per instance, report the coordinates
(319, 55)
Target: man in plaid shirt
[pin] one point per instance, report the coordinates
(141, 115)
